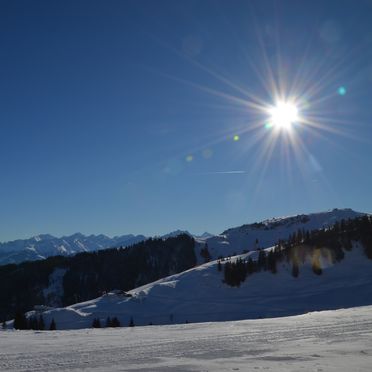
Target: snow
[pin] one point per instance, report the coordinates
(42, 246)
(231, 241)
(338, 340)
(199, 295)
(239, 239)
(54, 292)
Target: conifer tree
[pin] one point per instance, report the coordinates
(32, 323)
(204, 252)
(271, 262)
(20, 321)
(115, 322)
(53, 326)
(41, 324)
(295, 269)
(96, 323)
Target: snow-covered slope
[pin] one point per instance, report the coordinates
(267, 233)
(338, 340)
(42, 246)
(199, 295)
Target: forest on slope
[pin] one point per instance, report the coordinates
(88, 275)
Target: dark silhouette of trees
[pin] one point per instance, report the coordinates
(41, 323)
(20, 321)
(329, 243)
(91, 273)
(204, 252)
(96, 323)
(295, 269)
(115, 322)
(53, 325)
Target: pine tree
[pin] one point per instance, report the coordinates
(261, 261)
(108, 322)
(204, 252)
(20, 321)
(131, 322)
(219, 266)
(41, 324)
(271, 262)
(115, 322)
(295, 270)
(32, 323)
(96, 323)
(250, 266)
(53, 326)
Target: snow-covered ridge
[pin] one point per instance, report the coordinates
(42, 246)
(267, 233)
(200, 295)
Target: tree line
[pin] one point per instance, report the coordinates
(111, 322)
(302, 245)
(88, 275)
(36, 323)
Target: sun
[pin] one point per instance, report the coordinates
(283, 115)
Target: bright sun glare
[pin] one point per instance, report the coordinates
(283, 115)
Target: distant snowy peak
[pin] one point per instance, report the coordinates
(43, 246)
(175, 233)
(205, 235)
(232, 241)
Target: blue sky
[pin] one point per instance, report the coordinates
(120, 116)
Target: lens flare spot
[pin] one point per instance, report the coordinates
(236, 138)
(341, 91)
(268, 125)
(189, 158)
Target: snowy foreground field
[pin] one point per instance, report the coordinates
(338, 340)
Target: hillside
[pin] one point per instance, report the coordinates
(201, 295)
(61, 281)
(267, 233)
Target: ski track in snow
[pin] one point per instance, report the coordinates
(338, 340)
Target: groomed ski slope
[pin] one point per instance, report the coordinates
(199, 295)
(338, 340)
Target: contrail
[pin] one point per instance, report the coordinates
(225, 172)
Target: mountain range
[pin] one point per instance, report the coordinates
(231, 241)
(327, 268)
(178, 277)
(42, 246)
